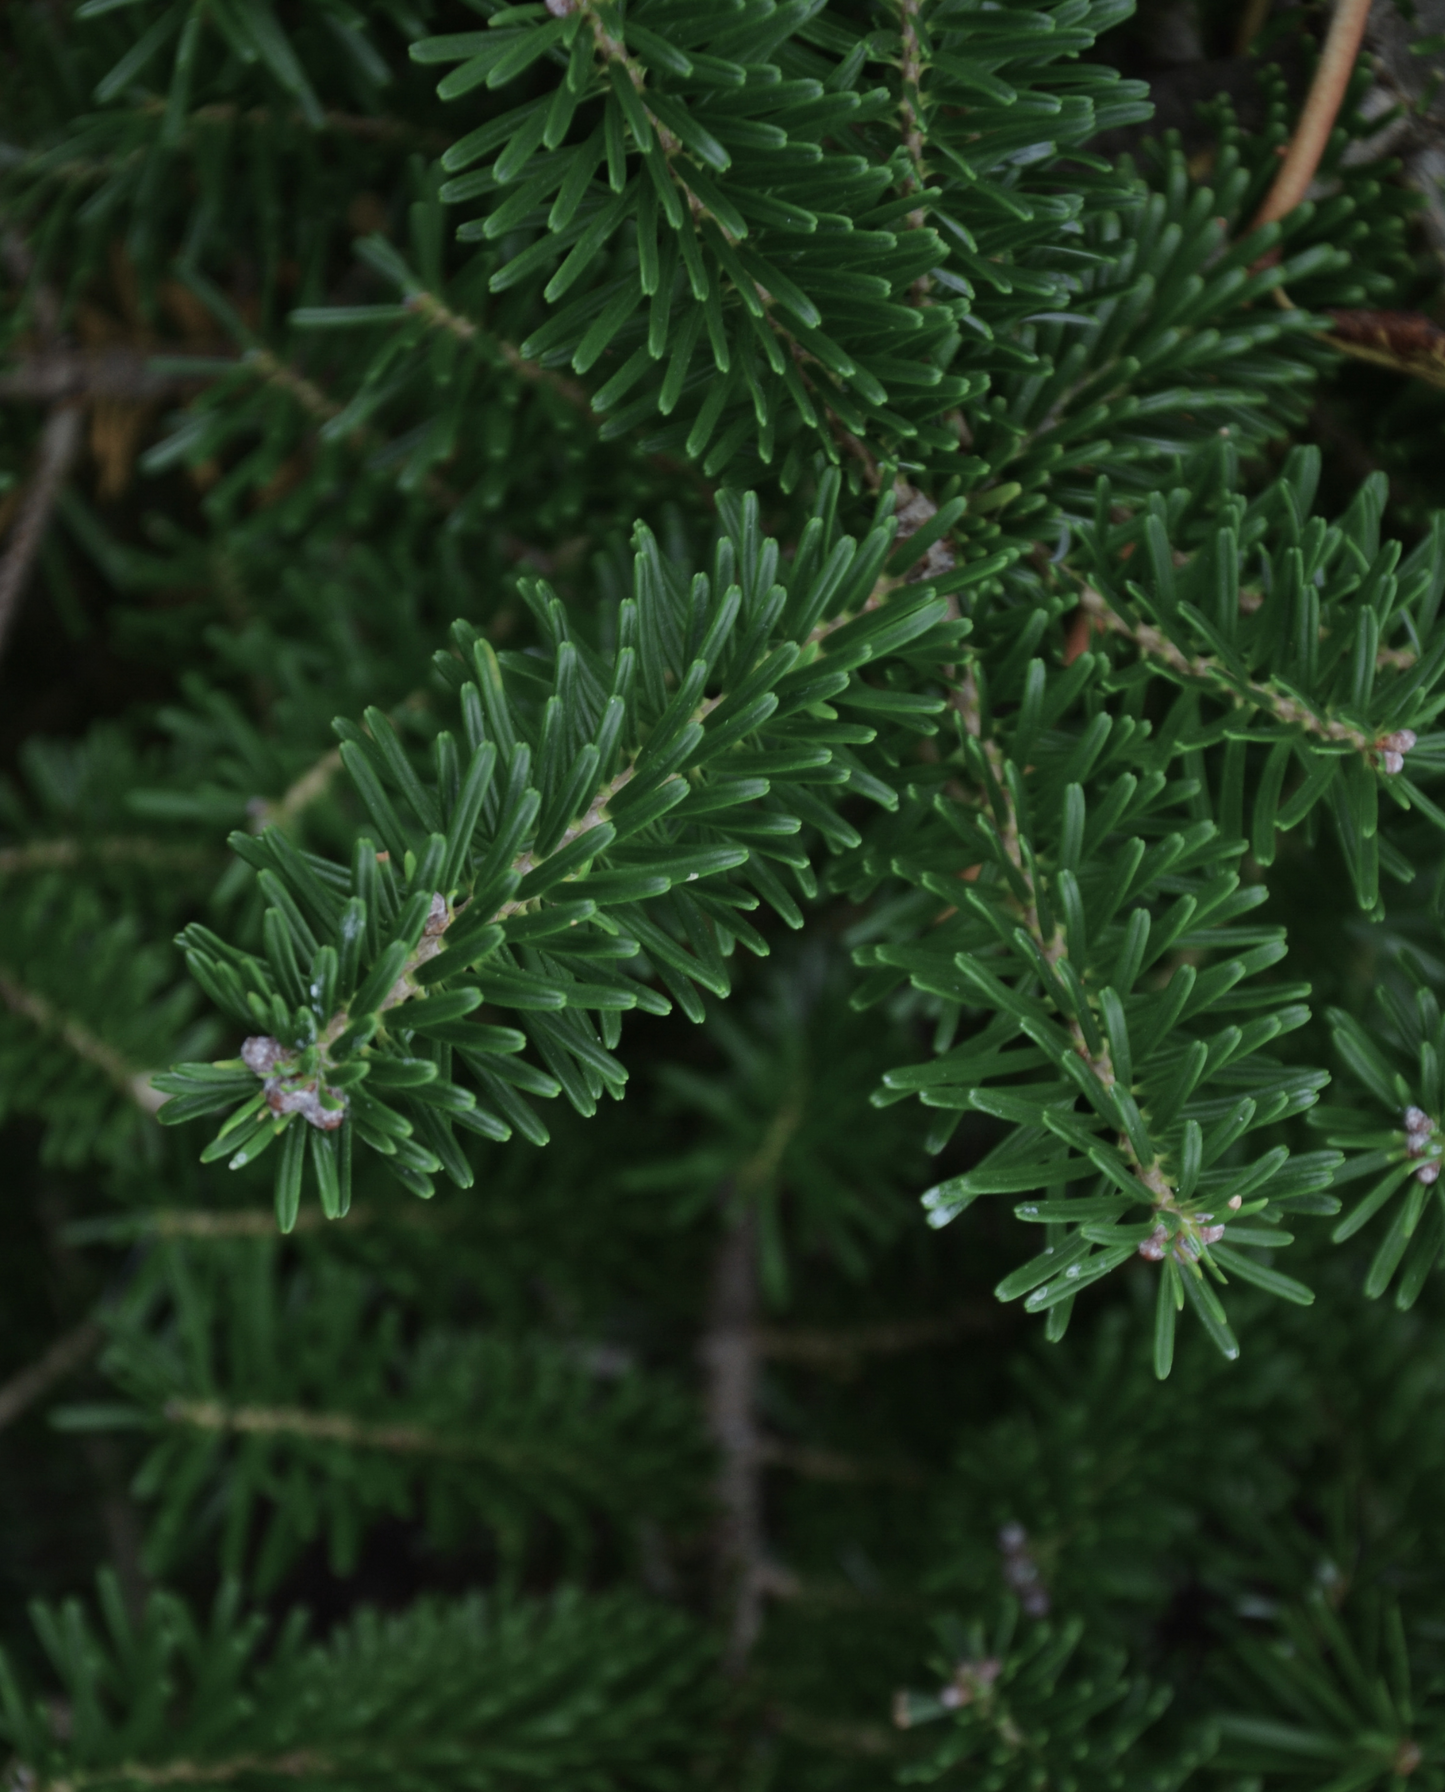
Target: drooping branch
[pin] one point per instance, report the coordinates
(1155, 1186)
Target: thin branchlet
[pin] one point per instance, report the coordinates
(88, 1046)
(1382, 752)
(1186, 1229)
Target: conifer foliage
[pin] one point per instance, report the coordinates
(728, 692)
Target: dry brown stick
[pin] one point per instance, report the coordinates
(59, 445)
(65, 1355)
(1321, 108)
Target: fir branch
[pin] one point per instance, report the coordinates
(269, 1058)
(1053, 948)
(840, 1347)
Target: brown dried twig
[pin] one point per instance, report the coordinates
(1321, 108)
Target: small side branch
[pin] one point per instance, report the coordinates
(59, 446)
(910, 73)
(318, 1427)
(57, 374)
(1386, 751)
(64, 854)
(301, 1764)
(730, 1358)
(67, 1354)
(830, 1348)
(135, 1084)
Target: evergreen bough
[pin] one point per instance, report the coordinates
(995, 623)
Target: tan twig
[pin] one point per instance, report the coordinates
(206, 1224)
(298, 796)
(64, 1357)
(1204, 668)
(821, 1347)
(62, 855)
(910, 106)
(1053, 948)
(317, 1427)
(442, 317)
(56, 374)
(59, 444)
(308, 395)
(362, 1434)
(298, 1764)
(1321, 108)
(818, 1464)
(89, 1047)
